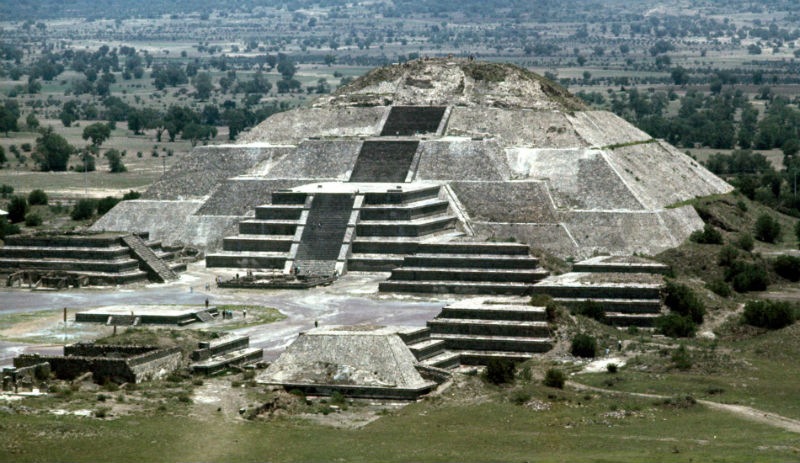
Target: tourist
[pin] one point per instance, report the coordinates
(244, 313)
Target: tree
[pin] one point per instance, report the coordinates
(17, 208)
(286, 67)
(37, 198)
(203, 85)
(52, 151)
(767, 229)
(97, 132)
(115, 164)
(3, 158)
(32, 122)
(584, 345)
(83, 209)
(8, 117)
(69, 113)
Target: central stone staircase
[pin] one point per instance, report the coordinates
(384, 161)
(413, 120)
(323, 234)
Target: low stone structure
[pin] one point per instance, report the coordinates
(220, 354)
(357, 361)
(148, 315)
(120, 364)
(59, 260)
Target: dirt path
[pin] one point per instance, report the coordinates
(748, 413)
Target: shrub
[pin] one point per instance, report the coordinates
(499, 371)
(612, 368)
(520, 397)
(676, 326)
(767, 229)
(788, 267)
(796, 226)
(105, 204)
(555, 378)
(591, 309)
(37, 198)
(131, 195)
(727, 255)
(33, 220)
(745, 242)
(7, 229)
(681, 358)
(681, 299)
(719, 287)
(551, 312)
(747, 277)
(540, 300)
(6, 190)
(709, 235)
(83, 209)
(769, 314)
(584, 345)
(17, 208)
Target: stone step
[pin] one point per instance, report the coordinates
(620, 267)
(455, 287)
(268, 227)
(385, 245)
(374, 262)
(412, 335)
(71, 265)
(258, 243)
(495, 343)
(154, 266)
(279, 212)
(409, 273)
(488, 327)
(482, 357)
(445, 359)
(600, 291)
(631, 319)
(465, 247)
(491, 261)
(426, 349)
(401, 196)
(617, 305)
(204, 316)
(285, 197)
(386, 212)
(495, 312)
(246, 260)
(414, 228)
(36, 252)
(224, 361)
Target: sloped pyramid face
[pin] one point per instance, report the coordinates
(520, 159)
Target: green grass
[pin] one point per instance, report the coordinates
(575, 428)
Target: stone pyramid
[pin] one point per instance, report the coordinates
(517, 158)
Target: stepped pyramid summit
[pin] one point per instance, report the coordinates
(430, 164)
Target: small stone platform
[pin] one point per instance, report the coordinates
(357, 361)
(148, 315)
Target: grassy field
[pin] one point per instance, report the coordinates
(469, 422)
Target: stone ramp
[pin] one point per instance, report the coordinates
(217, 355)
(412, 120)
(323, 234)
(155, 265)
(384, 161)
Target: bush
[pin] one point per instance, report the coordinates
(612, 368)
(551, 312)
(682, 300)
(7, 229)
(681, 358)
(745, 242)
(83, 209)
(788, 267)
(499, 371)
(709, 235)
(555, 378)
(591, 309)
(17, 208)
(727, 255)
(115, 164)
(767, 229)
(6, 190)
(719, 287)
(584, 345)
(37, 198)
(131, 195)
(769, 314)
(540, 300)
(747, 277)
(105, 204)
(676, 326)
(33, 220)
